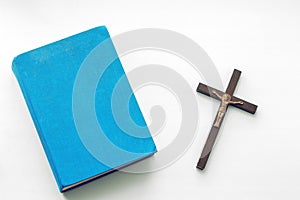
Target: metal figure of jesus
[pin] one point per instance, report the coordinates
(225, 101)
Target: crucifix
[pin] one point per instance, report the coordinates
(227, 99)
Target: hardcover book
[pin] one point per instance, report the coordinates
(83, 107)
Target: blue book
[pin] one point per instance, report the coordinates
(83, 107)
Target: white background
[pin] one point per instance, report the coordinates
(255, 157)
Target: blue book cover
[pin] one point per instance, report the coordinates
(84, 110)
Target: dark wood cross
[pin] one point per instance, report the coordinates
(226, 99)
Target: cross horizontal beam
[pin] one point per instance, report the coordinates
(246, 106)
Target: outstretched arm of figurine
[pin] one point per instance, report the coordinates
(236, 102)
(215, 93)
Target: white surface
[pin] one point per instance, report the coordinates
(256, 157)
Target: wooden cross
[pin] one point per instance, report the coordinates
(226, 99)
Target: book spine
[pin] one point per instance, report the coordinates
(36, 124)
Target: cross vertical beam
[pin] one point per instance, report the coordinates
(233, 82)
(226, 99)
